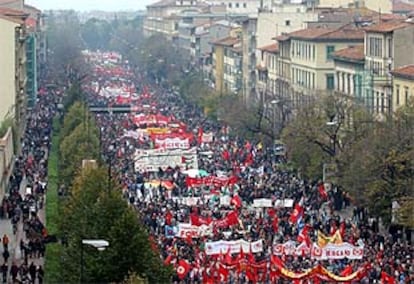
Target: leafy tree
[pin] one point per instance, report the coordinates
(96, 33)
(76, 114)
(97, 211)
(82, 143)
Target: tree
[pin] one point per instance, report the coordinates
(324, 131)
(82, 143)
(96, 34)
(76, 114)
(97, 212)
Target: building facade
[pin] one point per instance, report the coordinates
(403, 86)
(388, 45)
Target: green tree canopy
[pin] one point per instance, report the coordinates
(95, 211)
(76, 114)
(82, 143)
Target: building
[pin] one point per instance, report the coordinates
(13, 62)
(349, 69)
(388, 46)
(402, 8)
(238, 6)
(163, 16)
(227, 60)
(403, 86)
(311, 59)
(382, 6)
(267, 71)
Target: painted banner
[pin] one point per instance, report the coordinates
(210, 180)
(187, 230)
(152, 160)
(189, 201)
(221, 247)
(207, 137)
(170, 231)
(330, 251)
(172, 143)
(230, 219)
(287, 203)
(262, 202)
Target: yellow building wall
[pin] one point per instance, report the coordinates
(7, 68)
(400, 84)
(219, 68)
(385, 6)
(336, 3)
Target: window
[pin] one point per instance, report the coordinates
(287, 23)
(397, 95)
(390, 47)
(230, 5)
(330, 81)
(244, 5)
(406, 95)
(237, 5)
(330, 49)
(375, 47)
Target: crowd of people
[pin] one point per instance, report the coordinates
(257, 169)
(25, 197)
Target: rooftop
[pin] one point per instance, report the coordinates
(352, 53)
(226, 41)
(271, 48)
(387, 27)
(404, 72)
(346, 33)
(399, 6)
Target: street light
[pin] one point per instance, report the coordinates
(100, 245)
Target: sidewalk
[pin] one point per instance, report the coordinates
(6, 227)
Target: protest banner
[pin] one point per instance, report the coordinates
(219, 247)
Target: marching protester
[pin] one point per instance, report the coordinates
(224, 210)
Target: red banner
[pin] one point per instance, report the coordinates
(231, 219)
(211, 180)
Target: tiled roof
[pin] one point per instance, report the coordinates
(282, 37)
(272, 48)
(227, 41)
(162, 3)
(354, 53)
(404, 71)
(11, 12)
(387, 27)
(342, 33)
(399, 6)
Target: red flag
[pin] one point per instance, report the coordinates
(226, 155)
(198, 220)
(347, 271)
(236, 201)
(322, 191)
(241, 255)
(386, 278)
(304, 236)
(183, 269)
(227, 258)
(223, 274)
(168, 260)
(297, 212)
(250, 256)
(342, 228)
(200, 135)
(276, 261)
(168, 218)
(251, 274)
(275, 224)
(230, 220)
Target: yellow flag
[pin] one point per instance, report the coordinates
(259, 146)
(336, 238)
(323, 240)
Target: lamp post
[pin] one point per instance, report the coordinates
(100, 245)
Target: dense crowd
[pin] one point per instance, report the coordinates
(26, 194)
(387, 257)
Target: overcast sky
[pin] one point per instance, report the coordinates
(85, 5)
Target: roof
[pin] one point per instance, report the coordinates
(404, 72)
(399, 6)
(162, 3)
(387, 27)
(345, 33)
(226, 41)
(282, 37)
(352, 53)
(13, 15)
(271, 48)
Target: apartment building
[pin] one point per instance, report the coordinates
(13, 62)
(267, 71)
(227, 60)
(238, 6)
(311, 59)
(403, 86)
(349, 69)
(163, 16)
(388, 46)
(383, 6)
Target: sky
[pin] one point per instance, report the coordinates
(86, 5)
